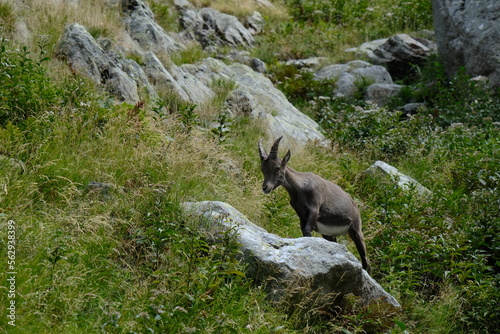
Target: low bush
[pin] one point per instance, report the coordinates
(445, 246)
(25, 89)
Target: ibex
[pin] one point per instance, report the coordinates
(321, 205)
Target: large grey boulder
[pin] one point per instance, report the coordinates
(368, 48)
(401, 53)
(255, 23)
(243, 57)
(123, 77)
(380, 94)
(468, 34)
(176, 80)
(398, 53)
(195, 89)
(142, 27)
(272, 107)
(85, 56)
(262, 101)
(298, 267)
(213, 28)
(385, 171)
(136, 73)
(159, 76)
(350, 77)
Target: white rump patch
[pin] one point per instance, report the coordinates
(331, 229)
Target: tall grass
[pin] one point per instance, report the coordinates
(326, 28)
(120, 256)
(48, 18)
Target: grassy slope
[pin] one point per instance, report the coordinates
(127, 260)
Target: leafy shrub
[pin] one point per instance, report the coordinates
(398, 16)
(379, 132)
(25, 89)
(299, 85)
(318, 10)
(460, 98)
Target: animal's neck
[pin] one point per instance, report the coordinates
(292, 181)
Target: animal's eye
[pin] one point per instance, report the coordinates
(276, 169)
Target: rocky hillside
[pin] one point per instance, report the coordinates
(128, 160)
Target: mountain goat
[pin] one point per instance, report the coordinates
(321, 205)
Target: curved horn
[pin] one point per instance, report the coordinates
(274, 150)
(262, 151)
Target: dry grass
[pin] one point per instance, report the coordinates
(241, 8)
(45, 19)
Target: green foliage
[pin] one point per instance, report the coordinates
(299, 84)
(332, 11)
(280, 216)
(164, 15)
(429, 246)
(311, 40)
(188, 117)
(122, 259)
(172, 104)
(137, 58)
(375, 132)
(326, 28)
(457, 99)
(402, 15)
(397, 15)
(97, 32)
(190, 276)
(190, 55)
(25, 89)
(221, 131)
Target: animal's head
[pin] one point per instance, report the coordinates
(272, 167)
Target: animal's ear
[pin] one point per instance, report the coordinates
(286, 158)
(262, 152)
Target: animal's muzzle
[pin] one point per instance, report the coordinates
(266, 188)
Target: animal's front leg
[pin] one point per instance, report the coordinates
(308, 223)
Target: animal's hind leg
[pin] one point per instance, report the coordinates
(330, 237)
(359, 241)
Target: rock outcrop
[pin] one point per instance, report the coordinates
(351, 77)
(401, 53)
(406, 183)
(84, 55)
(264, 101)
(298, 267)
(141, 26)
(468, 34)
(107, 64)
(380, 94)
(398, 53)
(212, 28)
